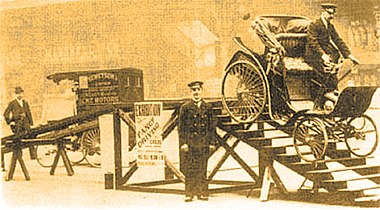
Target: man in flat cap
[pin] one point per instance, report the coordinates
(324, 49)
(195, 128)
(18, 114)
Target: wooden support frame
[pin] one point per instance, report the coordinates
(17, 148)
(157, 186)
(65, 159)
(17, 156)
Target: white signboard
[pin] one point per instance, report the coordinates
(148, 133)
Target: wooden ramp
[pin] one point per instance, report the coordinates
(357, 187)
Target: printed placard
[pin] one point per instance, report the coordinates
(148, 133)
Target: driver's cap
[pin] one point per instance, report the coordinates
(329, 7)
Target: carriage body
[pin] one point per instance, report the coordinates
(278, 83)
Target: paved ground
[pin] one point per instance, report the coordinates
(86, 190)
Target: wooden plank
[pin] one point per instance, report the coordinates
(127, 119)
(129, 174)
(361, 188)
(267, 185)
(371, 176)
(230, 182)
(368, 199)
(238, 159)
(170, 124)
(118, 154)
(332, 160)
(155, 183)
(71, 130)
(267, 138)
(176, 172)
(223, 159)
(343, 169)
(232, 188)
(152, 189)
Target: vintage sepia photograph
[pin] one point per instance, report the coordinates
(190, 104)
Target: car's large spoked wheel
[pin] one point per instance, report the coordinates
(244, 91)
(310, 139)
(91, 146)
(361, 136)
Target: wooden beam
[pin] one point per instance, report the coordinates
(171, 124)
(176, 172)
(155, 183)
(230, 182)
(223, 159)
(238, 159)
(130, 172)
(152, 189)
(127, 119)
(232, 188)
(117, 149)
(279, 184)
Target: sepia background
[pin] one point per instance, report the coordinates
(172, 41)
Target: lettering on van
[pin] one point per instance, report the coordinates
(102, 79)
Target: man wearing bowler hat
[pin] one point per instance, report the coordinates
(18, 114)
(19, 117)
(195, 128)
(324, 49)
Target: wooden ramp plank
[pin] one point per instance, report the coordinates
(344, 169)
(368, 199)
(371, 176)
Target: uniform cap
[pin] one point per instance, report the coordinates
(194, 83)
(329, 7)
(18, 90)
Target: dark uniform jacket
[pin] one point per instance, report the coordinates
(195, 125)
(20, 115)
(319, 43)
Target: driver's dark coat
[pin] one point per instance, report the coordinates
(319, 43)
(195, 128)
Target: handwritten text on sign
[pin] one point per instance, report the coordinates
(148, 133)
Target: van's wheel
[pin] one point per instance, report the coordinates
(46, 155)
(91, 146)
(75, 150)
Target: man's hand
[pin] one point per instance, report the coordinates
(326, 59)
(212, 148)
(185, 148)
(353, 59)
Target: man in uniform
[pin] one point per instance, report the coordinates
(324, 50)
(195, 128)
(18, 114)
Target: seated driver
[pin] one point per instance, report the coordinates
(324, 49)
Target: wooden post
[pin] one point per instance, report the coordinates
(263, 156)
(17, 156)
(65, 159)
(267, 184)
(117, 148)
